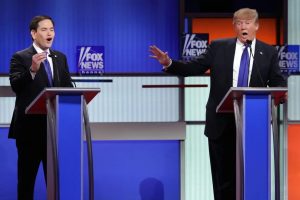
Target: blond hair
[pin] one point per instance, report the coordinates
(245, 14)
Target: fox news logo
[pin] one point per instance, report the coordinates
(90, 59)
(288, 56)
(194, 45)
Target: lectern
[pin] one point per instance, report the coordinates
(255, 117)
(66, 114)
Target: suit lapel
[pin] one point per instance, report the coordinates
(229, 57)
(258, 56)
(55, 69)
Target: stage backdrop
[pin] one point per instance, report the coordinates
(124, 27)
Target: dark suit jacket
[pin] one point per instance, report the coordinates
(219, 59)
(29, 127)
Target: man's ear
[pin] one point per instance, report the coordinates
(33, 32)
(257, 26)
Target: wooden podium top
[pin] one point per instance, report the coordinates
(226, 105)
(38, 105)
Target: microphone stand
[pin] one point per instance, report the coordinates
(249, 43)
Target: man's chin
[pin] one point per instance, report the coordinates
(47, 46)
(243, 39)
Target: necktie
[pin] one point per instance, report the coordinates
(244, 69)
(48, 71)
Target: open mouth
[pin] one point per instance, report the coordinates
(49, 39)
(244, 34)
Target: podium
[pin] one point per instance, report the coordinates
(66, 115)
(255, 116)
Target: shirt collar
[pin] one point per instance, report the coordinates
(240, 44)
(39, 50)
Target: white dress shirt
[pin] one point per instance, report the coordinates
(39, 50)
(239, 48)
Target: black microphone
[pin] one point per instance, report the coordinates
(55, 64)
(249, 43)
(52, 55)
(54, 60)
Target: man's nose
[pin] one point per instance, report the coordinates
(243, 25)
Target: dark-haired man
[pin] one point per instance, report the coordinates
(32, 70)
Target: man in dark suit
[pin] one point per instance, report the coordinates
(223, 58)
(28, 77)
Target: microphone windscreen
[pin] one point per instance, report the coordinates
(249, 42)
(52, 55)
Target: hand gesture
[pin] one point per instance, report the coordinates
(159, 55)
(36, 61)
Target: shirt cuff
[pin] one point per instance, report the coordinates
(165, 67)
(32, 73)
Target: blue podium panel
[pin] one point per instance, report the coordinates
(136, 170)
(70, 145)
(257, 161)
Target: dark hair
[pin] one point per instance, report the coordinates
(35, 21)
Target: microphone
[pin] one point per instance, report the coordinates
(54, 64)
(52, 55)
(54, 60)
(249, 43)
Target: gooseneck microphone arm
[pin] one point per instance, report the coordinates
(55, 69)
(54, 56)
(249, 43)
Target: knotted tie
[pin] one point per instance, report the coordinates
(48, 70)
(244, 68)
